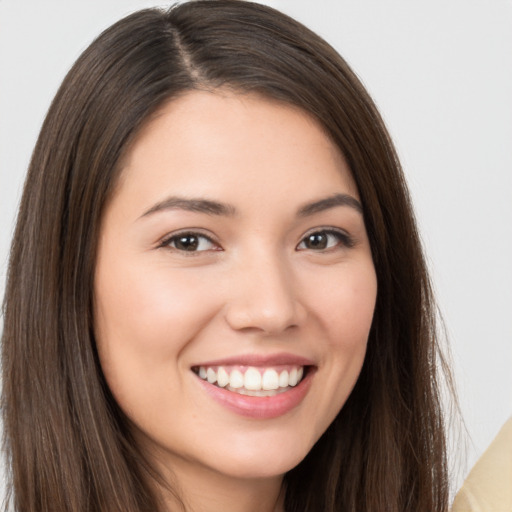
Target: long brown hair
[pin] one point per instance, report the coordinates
(68, 444)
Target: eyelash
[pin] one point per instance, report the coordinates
(343, 240)
(168, 241)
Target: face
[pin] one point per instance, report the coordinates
(234, 287)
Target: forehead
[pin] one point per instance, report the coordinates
(225, 143)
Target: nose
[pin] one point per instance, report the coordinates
(264, 296)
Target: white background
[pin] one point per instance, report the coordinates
(440, 72)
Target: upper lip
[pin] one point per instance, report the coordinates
(281, 358)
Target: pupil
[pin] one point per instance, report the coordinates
(187, 243)
(317, 241)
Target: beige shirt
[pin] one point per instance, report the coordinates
(488, 487)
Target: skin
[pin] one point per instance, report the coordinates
(256, 288)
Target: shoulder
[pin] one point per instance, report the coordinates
(488, 487)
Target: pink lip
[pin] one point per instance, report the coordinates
(264, 407)
(260, 360)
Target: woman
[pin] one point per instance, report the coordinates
(217, 297)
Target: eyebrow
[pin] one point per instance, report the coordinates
(210, 207)
(328, 203)
(192, 205)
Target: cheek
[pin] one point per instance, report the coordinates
(345, 305)
(148, 309)
(144, 318)
(350, 318)
(345, 311)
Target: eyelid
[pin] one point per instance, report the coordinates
(346, 240)
(164, 242)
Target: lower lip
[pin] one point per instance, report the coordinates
(260, 407)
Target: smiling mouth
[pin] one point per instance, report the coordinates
(251, 380)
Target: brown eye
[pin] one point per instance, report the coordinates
(189, 242)
(316, 241)
(324, 240)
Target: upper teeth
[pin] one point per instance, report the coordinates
(253, 379)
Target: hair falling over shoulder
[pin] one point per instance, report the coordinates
(68, 444)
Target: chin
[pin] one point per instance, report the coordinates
(261, 456)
